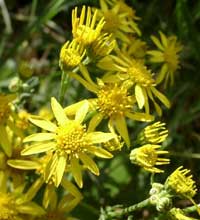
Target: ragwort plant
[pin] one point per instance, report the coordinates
(44, 157)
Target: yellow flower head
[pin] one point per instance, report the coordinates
(71, 55)
(69, 142)
(103, 45)
(86, 29)
(119, 19)
(154, 134)
(113, 102)
(137, 73)
(167, 53)
(182, 183)
(147, 157)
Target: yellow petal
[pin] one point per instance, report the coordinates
(99, 137)
(38, 148)
(121, 127)
(161, 97)
(72, 109)
(99, 152)
(139, 96)
(4, 141)
(58, 112)
(30, 208)
(163, 39)
(24, 164)
(50, 168)
(76, 171)
(60, 169)
(50, 197)
(157, 42)
(39, 137)
(89, 163)
(71, 188)
(140, 116)
(161, 75)
(94, 122)
(82, 111)
(46, 125)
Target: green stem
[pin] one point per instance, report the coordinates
(190, 209)
(118, 211)
(63, 86)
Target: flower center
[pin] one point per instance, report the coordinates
(7, 207)
(70, 57)
(139, 74)
(171, 58)
(113, 100)
(71, 139)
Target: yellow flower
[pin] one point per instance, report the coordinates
(86, 29)
(155, 133)
(182, 183)
(13, 205)
(167, 53)
(71, 55)
(5, 111)
(102, 46)
(147, 157)
(138, 74)
(113, 102)
(22, 120)
(119, 20)
(69, 141)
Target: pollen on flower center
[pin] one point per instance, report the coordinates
(113, 100)
(71, 138)
(7, 207)
(139, 74)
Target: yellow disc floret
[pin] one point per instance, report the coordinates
(114, 100)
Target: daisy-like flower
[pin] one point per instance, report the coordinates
(181, 182)
(86, 29)
(71, 55)
(5, 112)
(113, 102)
(136, 72)
(155, 133)
(147, 157)
(12, 203)
(118, 20)
(167, 54)
(69, 141)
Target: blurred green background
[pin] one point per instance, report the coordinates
(33, 32)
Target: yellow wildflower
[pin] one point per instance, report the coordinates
(113, 102)
(138, 74)
(13, 205)
(119, 20)
(182, 183)
(86, 29)
(5, 111)
(167, 53)
(153, 134)
(147, 157)
(71, 55)
(69, 141)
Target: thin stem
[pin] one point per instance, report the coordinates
(63, 86)
(190, 209)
